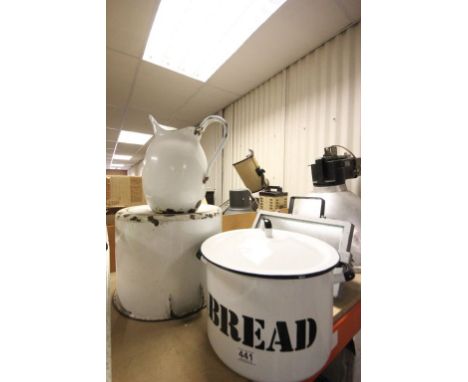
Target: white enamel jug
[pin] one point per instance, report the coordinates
(176, 169)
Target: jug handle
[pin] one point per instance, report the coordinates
(201, 129)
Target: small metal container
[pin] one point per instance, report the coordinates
(272, 198)
(240, 202)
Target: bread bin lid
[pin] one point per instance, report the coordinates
(270, 253)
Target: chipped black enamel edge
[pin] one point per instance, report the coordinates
(170, 211)
(269, 276)
(153, 221)
(156, 222)
(124, 312)
(201, 305)
(194, 215)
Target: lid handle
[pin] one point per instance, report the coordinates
(267, 227)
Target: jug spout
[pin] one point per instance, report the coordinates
(158, 128)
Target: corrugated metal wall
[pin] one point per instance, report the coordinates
(290, 118)
(322, 107)
(256, 122)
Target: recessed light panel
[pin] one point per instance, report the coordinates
(195, 38)
(122, 157)
(133, 138)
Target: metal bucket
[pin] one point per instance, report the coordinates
(157, 273)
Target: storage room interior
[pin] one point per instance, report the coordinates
(289, 90)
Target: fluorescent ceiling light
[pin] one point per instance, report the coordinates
(122, 157)
(134, 138)
(195, 38)
(117, 165)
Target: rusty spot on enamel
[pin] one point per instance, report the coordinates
(135, 219)
(154, 221)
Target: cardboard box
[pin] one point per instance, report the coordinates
(110, 219)
(124, 191)
(238, 221)
(111, 236)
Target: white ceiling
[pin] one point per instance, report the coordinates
(136, 88)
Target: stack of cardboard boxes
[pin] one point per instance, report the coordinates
(121, 191)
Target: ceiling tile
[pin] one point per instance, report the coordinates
(294, 30)
(128, 23)
(114, 116)
(351, 8)
(207, 101)
(112, 134)
(110, 144)
(127, 149)
(161, 91)
(179, 123)
(137, 120)
(139, 156)
(120, 73)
